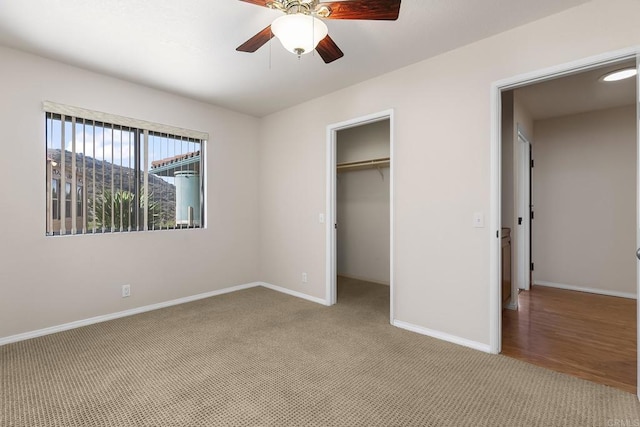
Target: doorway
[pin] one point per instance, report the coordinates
(524, 223)
(514, 212)
(360, 164)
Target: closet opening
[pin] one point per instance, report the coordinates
(361, 216)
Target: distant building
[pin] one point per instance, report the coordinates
(185, 168)
(60, 196)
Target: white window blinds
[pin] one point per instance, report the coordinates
(107, 173)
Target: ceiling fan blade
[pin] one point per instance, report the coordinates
(329, 50)
(257, 41)
(385, 10)
(257, 2)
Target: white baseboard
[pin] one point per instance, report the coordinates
(294, 293)
(443, 336)
(364, 279)
(79, 323)
(588, 290)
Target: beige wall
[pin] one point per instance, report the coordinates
(365, 142)
(507, 176)
(514, 116)
(442, 158)
(47, 281)
(584, 192)
(522, 118)
(363, 205)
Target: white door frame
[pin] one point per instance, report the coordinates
(523, 210)
(495, 299)
(638, 209)
(331, 238)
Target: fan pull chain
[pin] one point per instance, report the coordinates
(270, 43)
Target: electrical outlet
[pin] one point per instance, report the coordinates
(305, 279)
(126, 291)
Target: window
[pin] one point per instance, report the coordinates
(120, 175)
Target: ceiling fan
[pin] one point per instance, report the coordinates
(301, 31)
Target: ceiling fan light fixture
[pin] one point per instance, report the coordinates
(617, 75)
(299, 33)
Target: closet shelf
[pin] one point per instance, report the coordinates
(364, 164)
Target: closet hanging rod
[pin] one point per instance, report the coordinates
(364, 164)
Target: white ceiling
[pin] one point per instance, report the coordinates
(578, 93)
(188, 46)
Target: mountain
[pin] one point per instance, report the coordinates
(120, 177)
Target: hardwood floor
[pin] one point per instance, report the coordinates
(586, 335)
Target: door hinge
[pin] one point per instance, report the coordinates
(519, 220)
(532, 215)
(532, 163)
(532, 267)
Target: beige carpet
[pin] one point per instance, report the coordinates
(260, 358)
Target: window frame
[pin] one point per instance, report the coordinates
(142, 130)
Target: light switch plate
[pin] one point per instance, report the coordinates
(478, 220)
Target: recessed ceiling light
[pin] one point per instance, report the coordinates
(625, 73)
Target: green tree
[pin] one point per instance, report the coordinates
(119, 208)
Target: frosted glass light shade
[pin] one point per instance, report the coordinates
(299, 33)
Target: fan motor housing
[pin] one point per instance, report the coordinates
(307, 7)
